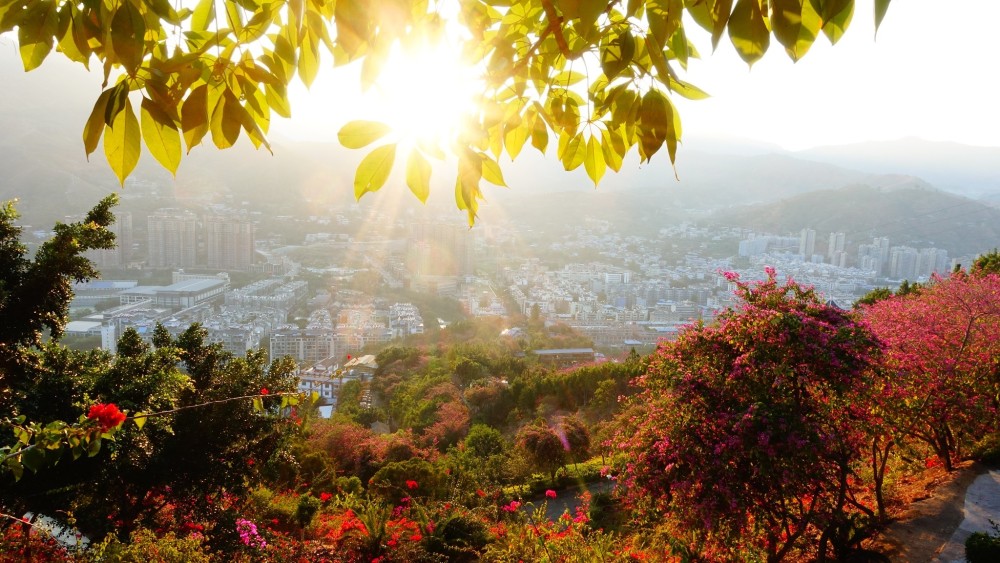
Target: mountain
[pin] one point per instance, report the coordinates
(964, 169)
(910, 213)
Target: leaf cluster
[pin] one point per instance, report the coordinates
(593, 79)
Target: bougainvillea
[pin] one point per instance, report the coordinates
(745, 430)
(107, 416)
(943, 357)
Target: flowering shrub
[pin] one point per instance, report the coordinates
(249, 535)
(746, 431)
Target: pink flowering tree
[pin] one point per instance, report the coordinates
(745, 434)
(943, 361)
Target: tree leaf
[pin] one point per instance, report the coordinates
(796, 25)
(418, 175)
(374, 170)
(360, 133)
(122, 142)
(204, 15)
(95, 123)
(836, 16)
(617, 55)
(35, 33)
(161, 135)
(140, 420)
(748, 31)
(308, 59)
(881, 6)
(492, 172)
(594, 161)
(127, 32)
(194, 116)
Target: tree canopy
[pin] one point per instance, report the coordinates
(594, 77)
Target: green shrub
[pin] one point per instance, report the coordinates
(981, 547)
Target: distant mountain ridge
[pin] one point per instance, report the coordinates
(908, 215)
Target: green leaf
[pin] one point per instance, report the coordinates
(227, 120)
(796, 25)
(122, 142)
(35, 33)
(418, 175)
(94, 446)
(161, 135)
(594, 161)
(95, 123)
(140, 420)
(748, 31)
(374, 170)
(836, 16)
(194, 116)
(277, 97)
(881, 6)
(617, 55)
(33, 459)
(360, 133)
(127, 32)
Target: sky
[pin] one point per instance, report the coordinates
(932, 73)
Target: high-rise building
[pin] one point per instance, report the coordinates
(807, 244)
(121, 254)
(837, 241)
(874, 256)
(229, 243)
(439, 249)
(173, 239)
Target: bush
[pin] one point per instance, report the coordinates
(981, 547)
(146, 547)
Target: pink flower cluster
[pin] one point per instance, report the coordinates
(249, 535)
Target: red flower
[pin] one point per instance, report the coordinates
(107, 416)
(480, 492)
(411, 485)
(416, 537)
(348, 356)
(264, 391)
(323, 497)
(550, 494)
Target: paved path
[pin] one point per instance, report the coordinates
(935, 528)
(982, 503)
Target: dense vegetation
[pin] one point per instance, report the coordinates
(781, 431)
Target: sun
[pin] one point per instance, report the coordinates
(424, 93)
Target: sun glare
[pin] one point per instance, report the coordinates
(424, 93)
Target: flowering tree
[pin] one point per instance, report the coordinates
(745, 430)
(943, 357)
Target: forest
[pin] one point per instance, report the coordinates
(785, 430)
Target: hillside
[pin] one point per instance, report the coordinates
(912, 213)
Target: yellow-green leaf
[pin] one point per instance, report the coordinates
(95, 123)
(572, 151)
(127, 32)
(204, 14)
(35, 33)
(836, 16)
(226, 120)
(418, 175)
(594, 161)
(360, 133)
(687, 90)
(161, 135)
(374, 170)
(140, 420)
(796, 25)
(277, 98)
(308, 59)
(194, 116)
(492, 172)
(880, 8)
(617, 55)
(122, 143)
(258, 404)
(748, 30)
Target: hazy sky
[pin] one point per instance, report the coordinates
(932, 73)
